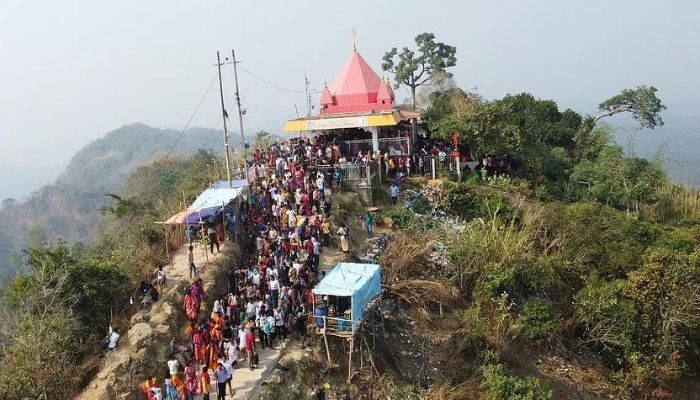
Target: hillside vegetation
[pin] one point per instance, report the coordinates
(54, 314)
(69, 209)
(577, 267)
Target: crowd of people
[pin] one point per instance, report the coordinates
(283, 225)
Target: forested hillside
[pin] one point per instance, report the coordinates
(69, 209)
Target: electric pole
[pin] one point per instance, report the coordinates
(308, 95)
(224, 115)
(240, 118)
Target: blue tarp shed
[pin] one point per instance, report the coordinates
(209, 202)
(218, 195)
(361, 282)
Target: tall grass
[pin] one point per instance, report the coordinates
(490, 240)
(675, 203)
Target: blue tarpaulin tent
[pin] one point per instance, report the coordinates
(209, 202)
(360, 282)
(218, 195)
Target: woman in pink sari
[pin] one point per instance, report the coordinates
(191, 384)
(198, 342)
(198, 292)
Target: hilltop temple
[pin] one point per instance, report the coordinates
(360, 101)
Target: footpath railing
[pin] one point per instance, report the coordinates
(365, 174)
(395, 146)
(435, 165)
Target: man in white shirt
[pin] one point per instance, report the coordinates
(292, 218)
(157, 394)
(228, 366)
(221, 377)
(274, 290)
(320, 182)
(173, 366)
(317, 250)
(113, 338)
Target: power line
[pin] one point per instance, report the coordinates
(270, 83)
(182, 132)
(262, 111)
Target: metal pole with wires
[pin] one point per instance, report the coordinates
(240, 117)
(224, 115)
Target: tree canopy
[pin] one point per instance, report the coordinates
(641, 102)
(415, 68)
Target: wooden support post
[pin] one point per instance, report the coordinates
(369, 352)
(223, 223)
(360, 350)
(350, 360)
(325, 340)
(374, 335)
(167, 246)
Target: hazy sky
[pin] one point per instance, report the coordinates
(72, 70)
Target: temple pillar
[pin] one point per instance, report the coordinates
(375, 138)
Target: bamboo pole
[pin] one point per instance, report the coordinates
(325, 340)
(350, 359)
(167, 246)
(369, 353)
(204, 235)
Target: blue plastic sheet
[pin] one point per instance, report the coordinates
(361, 282)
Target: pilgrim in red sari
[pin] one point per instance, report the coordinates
(191, 307)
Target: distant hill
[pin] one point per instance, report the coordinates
(69, 208)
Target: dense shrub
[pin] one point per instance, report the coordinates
(459, 199)
(681, 240)
(609, 318)
(402, 217)
(539, 321)
(421, 205)
(499, 385)
(591, 238)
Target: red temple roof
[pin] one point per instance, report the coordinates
(385, 93)
(356, 89)
(326, 98)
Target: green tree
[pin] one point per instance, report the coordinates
(415, 69)
(641, 102)
(262, 140)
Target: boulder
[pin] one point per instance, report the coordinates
(162, 330)
(163, 315)
(140, 335)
